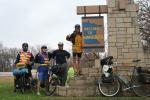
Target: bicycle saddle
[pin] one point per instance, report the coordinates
(136, 60)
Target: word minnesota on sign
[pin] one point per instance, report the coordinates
(92, 28)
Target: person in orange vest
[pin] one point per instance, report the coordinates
(42, 58)
(76, 39)
(23, 63)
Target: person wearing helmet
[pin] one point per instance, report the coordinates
(42, 58)
(26, 59)
(61, 57)
(76, 39)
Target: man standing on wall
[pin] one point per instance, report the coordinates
(76, 39)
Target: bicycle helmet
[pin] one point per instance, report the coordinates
(60, 44)
(43, 47)
(77, 26)
(25, 45)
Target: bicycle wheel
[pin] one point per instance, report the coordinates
(22, 84)
(33, 84)
(140, 88)
(53, 85)
(109, 89)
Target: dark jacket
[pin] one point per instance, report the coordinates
(72, 37)
(60, 56)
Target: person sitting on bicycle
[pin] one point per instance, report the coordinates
(61, 57)
(24, 63)
(43, 59)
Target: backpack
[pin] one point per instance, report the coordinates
(36, 59)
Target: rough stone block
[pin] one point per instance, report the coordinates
(113, 51)
(111, 3)
(82, 82)
(131, 30)
(127, 25)
(112, 30)
(94, 70)
(127, 46)
(121, 40)
(125, 50)
(129, 41)
(118, 25)
(136, 38)
(130, 55)
(112, 19)
(121, 15)
(85, 71)
(118, 20)
(112, 44)
(134, 14)
(112, 38)
(112, 24)
(132, 7)
(127, 19)
(122, 4)
(134, 46)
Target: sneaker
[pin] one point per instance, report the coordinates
(38, 93)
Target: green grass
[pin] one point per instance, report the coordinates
(6, 93)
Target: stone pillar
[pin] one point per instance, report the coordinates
(124, 43)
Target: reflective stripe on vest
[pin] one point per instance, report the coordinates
(46, 60)
(24, 57)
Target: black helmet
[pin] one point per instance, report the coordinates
(25, 45)
(43, 47)
(77, 25)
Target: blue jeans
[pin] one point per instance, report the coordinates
(20, 72)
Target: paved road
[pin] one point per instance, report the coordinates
(6, 74)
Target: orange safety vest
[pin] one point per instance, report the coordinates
(46, 61)
(24, 57)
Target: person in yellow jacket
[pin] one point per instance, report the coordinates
(23, 63)
(76, 39)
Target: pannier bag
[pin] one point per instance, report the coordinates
(144, 78)
(108, 79)
(56, 69)
(107, 70)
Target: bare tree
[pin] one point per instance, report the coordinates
(7, 58)
(144, 22)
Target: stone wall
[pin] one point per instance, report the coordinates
(124, 43)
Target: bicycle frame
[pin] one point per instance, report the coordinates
(127, 83)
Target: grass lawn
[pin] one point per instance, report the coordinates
(6, 93)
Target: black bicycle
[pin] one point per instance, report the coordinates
(114, 83)
(53, 80)
(22, 82)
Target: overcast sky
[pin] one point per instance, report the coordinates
(39, 22)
